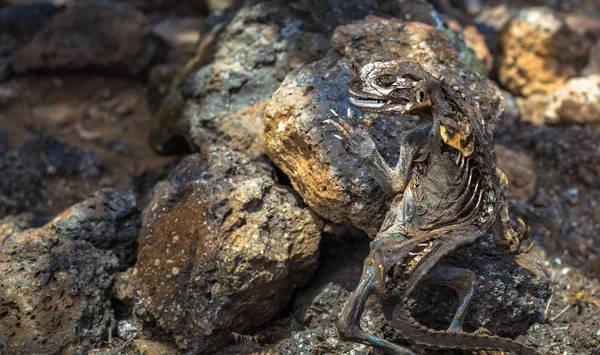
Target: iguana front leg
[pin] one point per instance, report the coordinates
(505, 236)
(359, 144)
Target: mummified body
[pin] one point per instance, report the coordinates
(447, 193)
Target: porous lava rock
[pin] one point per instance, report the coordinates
(54, 291)
(222, 248)
(90, 35)
(108, 219)
(242, 59)
(332, 183)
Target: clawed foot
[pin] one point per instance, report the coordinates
(513, 241)
(357, 141)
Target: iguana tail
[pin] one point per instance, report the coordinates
(440, 339)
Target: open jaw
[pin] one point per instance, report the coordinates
(367, 102)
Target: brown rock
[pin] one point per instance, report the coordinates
(53, 296)
(538, 52)
(221, 250)
(520, 170)
(90, 35)
(331, 182)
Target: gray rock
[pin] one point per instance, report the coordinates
(331, 182)
(318, 341)
(222, 248)
(108, 219)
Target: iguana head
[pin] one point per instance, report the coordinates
(393, 87)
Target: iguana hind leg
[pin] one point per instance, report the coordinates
(349, 322)
(505, 236)
(463, 282)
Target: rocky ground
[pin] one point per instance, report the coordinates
(167, 185)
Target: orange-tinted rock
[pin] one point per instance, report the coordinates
(332, 183)
(538, 52)
(222, 248)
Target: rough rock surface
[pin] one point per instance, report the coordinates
(538, 52)
(108, 219)
(53, 294)
(335, 185)
(90, 35)
(242, 66)
(510, 290)
(222, 247)
(55, 280)
(261, 44)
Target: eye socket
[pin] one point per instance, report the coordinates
(386, 80)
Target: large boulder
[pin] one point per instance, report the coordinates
(222, 248)
(331, 182)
